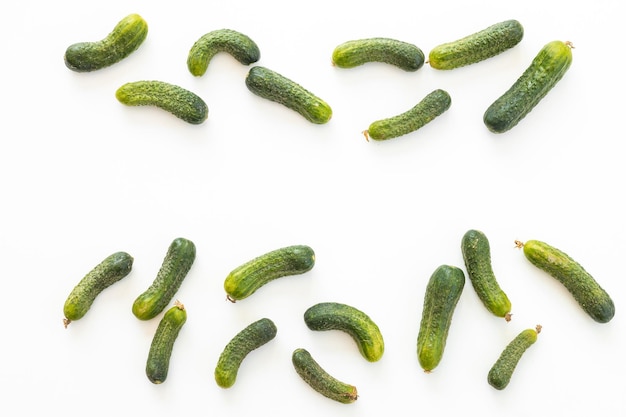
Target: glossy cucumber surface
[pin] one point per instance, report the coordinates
(238, 45)
(353, 53)
(502, 370)
(158, 363)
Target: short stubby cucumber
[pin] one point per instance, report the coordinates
(244, 280)
(430, 107)
(593, 299)
(442, 295)
(275, 87)
(477, 256)
(320, 380)
(112, 269)
(158, 363)
(476, 47)
(239, 46)
(349, 319)
(502, 370)
(125, 38)
(544, 72)
(177, 262)
(250, 338)
(403, 55)
(172, 98)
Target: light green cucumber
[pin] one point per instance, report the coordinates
(158, 363)
(353, 53)
(502, 370)
(239, 46)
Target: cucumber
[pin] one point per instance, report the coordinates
(431, 106)
(112, 269)
(476, 47)
(275, 87)
(158, 363)
(238, 45)
(442, 295)
(593, 299)
(343, 317)
(247, 278)
(172, 98)
(320, 380)
(502, 370)
(544, 72)
(176, 264)
(125, 38)
(250, 338)
(353, 53)
(477, 256)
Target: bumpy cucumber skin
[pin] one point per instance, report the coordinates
(123, 40)
(239, 46)
(545, 71)
(158, 363)
(250, 338)
(442, 295)
(477, 256)
(272, 86)
(172, 98)
(477, 47)
(320, 380)
(112, 269)
(354, 53)
(346, 318)
(176, 264)
(593, 299)
(430, 107)
(244, 280)
(502, 370)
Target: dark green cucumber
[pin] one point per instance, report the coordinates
(244, 280)
(357, 52)
(544, 72)
(442, 295)
(238, 45)
(125, 38)
(593, 299)
(112, 269)
(477, 47)
(176, 264)
(172, 98)
(250, 338)
(275, 87)
(348, 319)
(320, 380)
(431, 106)
(502, 370)
(477, 256)
(158, 363)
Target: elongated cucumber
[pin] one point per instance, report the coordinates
(158, 363)
(239, 46)
(403, 55)
(502, 370)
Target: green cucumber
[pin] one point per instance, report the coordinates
(343, 317)
(125, 38)
(502, 370)
(476, 47)
(477, 256)
(320, 380)
(158, 363)
(176, 264)
(238, 45)
(544, 72)
(593, 299)
(442, 295)
(250, 338)
(275, 87)
(431, 106)
(112, 269)
(357, 52)
(244, 280)
(172, 98)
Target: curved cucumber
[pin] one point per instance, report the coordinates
(502, 370)
(158, 363)
(337, 316)
(546, 69)
(357, 52)
(112, 269)
(238, 45)
(275, 87)
(125, 38)
(176, 264)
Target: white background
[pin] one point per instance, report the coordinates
(83, 176)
